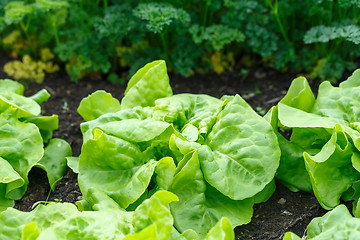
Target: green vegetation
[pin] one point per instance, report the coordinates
(161, 166)
(23, 132)
(317, 37)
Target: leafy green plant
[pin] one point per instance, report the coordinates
(335, 224)
(192, 145)
(85, 35)
(102, 218)
(23, 132)
(323, 151)
(339, 29)
(21, 14)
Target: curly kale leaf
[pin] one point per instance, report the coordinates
(217, 36)
(158, 15)
(325, 34)
(117, 23)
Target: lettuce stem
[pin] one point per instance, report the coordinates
(41, 96)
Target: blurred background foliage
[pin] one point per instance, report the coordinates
(108, 37)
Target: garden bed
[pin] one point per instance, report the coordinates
(262, 88)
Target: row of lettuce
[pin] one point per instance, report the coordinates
(184, 166)
(99, 37)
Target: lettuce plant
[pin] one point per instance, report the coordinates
(104, 219)
(23, 132)
(322, 153)
(217, 155)
(336, 224)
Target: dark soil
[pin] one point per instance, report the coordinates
(262, 88)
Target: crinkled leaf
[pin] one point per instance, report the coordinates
(54, 160)
(97, 104)
(97, 200)
(27, 107)
(332, 222)
(337, 103)
(201, 206)
(221, 231)
(331, 171)
(242, 148)
(165, 171)
(11, 86)
(125, 174)
(151, 220)
(136, 113)
(153, 213)
(148, 84)
(299, 95)
(66, 222)
(21, 145)
(135, 130)
(12, 222)
(9, 179)
(186, 110)
(352, 81)
(186, 235)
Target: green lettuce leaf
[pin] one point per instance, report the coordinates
(331, 171)
(22, 146)
(328, 135)
(54, 160)
(46, 125)
(40, 96)
(299, 95)
(11, 86)
(12, 223)
(242, 148)
(9, 178)
(291, 236)
(73, 163)
(27, 107)
(135, 113)
(97, 104)
(200, 206)
(193, 145)
(291, 171)
(352, 81)
(186, 111)
(151, 220)
(336, 224)
(22, 134)
(124, 176)
(148, 84)
(221, 231)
